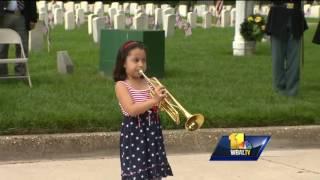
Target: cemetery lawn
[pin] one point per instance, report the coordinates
(313, 20)
(200, 72)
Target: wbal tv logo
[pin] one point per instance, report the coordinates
(238, 146)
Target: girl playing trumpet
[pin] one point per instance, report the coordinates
(142, 151)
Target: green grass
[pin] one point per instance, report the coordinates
(199, 19)
(313, 20)
(199, 70)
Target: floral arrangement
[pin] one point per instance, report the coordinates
(253, 28)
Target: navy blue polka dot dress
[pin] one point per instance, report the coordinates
(142, 151)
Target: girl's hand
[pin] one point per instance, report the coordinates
(160, 93)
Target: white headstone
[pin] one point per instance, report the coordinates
(228, 7)
(99, 11)
(55, 6)
(207, 20)
(192, 19)
(43, 10)
(265, 9)
(84, 6)
(90, 17)
(200, 9)
(137, 11)
(146, 21)
(80, 18)
(164, 6)
(183, 10)
(158, 16)
(98, 23)
(36, 39)
(97, 5)
(115, 5)
(69, 6)
(315, 11)
(225, 18)
(69, 22)
(90, 8)
(196, 9)
(142, 8)
(49, 4)
(307, 10)
(150, 9)
(42, 4)
(58, 16)
(77, 6)
(166, 12)
(233, 17)
(133, 7)
(60, 4)
(119, 21)
(138, 22)
(256, 9)
(168, 24)
(112, 12)
(120, 12)
(212, 9)
(43, 15)
(106, 8)
(126, 7)
(64, 62)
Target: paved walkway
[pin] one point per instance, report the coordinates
(289, 164)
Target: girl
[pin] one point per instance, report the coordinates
(142, 152)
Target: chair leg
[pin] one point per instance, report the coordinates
(28, 75)
(29, 79)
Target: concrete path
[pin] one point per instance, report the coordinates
(287, 164)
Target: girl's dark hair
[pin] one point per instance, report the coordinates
(119, 72)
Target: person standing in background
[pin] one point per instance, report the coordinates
(20, 16)
(316, 37)
(286, 24)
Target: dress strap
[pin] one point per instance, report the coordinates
(126, 84)
(130, 87)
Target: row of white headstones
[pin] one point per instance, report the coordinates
(71, 14)
(117, 16)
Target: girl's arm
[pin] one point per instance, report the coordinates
(134, 109)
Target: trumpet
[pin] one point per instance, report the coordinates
(171, 106)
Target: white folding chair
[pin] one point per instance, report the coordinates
(9, 36)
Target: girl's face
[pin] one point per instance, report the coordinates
(135, 61)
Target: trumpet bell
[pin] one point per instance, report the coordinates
(194, 122)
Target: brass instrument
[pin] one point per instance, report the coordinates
(169, 105)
